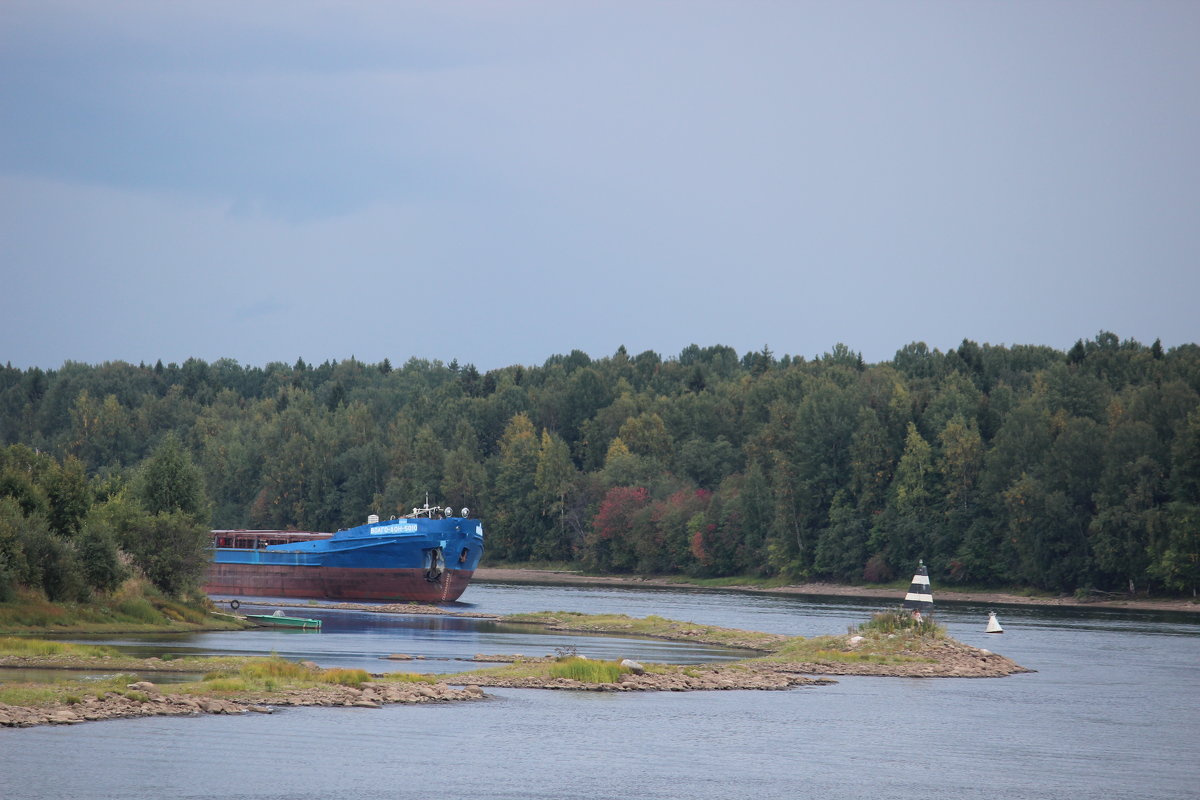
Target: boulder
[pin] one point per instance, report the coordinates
(633, 666)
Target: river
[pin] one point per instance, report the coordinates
(1112, 712)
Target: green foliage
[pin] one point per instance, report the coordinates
(14, 568)
(411, 677)
(99, 557)
(345, 677)
(139, 609)
(997, 465)
(277, 671)
(901, 621)
(25, 647)
(171, 549)
(586, 670)
(53, 564)
(168, 482)
(69, 496)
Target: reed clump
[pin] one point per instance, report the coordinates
(901, 621)
(276, 672)
(222, 683)
(26, 648)
(410, 677)
(586, 670)
(345, 677)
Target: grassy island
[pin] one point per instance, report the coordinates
(890, 644)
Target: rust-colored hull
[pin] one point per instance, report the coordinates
(334, 583)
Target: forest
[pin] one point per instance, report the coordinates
(1015, 466)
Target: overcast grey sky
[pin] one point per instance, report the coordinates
(500, 181)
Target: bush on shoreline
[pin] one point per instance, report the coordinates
(135, 606)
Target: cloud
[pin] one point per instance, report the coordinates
(495, 183)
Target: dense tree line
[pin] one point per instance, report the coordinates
(996, 465)
(70, 536)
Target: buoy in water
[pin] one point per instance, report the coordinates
(993, 625)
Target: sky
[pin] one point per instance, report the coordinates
(498, 182)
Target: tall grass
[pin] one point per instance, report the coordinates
(901, 621)
(411, 677)
(586, 670)
(273, 672)
(18, 646)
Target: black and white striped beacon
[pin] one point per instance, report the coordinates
(920, 597)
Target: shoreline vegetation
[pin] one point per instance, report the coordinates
(891, 644)
(999, 466)
(888, 593)
(134, 607)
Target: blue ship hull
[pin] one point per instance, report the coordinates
(416, 559)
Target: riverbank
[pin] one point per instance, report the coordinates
(566, 577)
(889, 645)
(146, 699)
(135, 607)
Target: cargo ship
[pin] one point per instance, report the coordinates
(426, 556)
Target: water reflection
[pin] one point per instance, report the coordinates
(365, 640)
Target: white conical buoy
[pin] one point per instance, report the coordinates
(993, 625)
(919, 598)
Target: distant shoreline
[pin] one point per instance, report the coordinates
(561, 577)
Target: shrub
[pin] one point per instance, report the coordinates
(101, 564)
(52, 562)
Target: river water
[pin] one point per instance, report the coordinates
(1112, 712)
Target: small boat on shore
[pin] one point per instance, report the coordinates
(993, 625)
(279, 620)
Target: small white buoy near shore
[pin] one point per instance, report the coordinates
(993, 625)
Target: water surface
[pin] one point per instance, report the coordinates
(1111, 712)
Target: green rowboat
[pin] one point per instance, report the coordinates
(278, 620)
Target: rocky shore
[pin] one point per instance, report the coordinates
(785, 662)
(681, 679)
(145, 699)
(920, 657)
